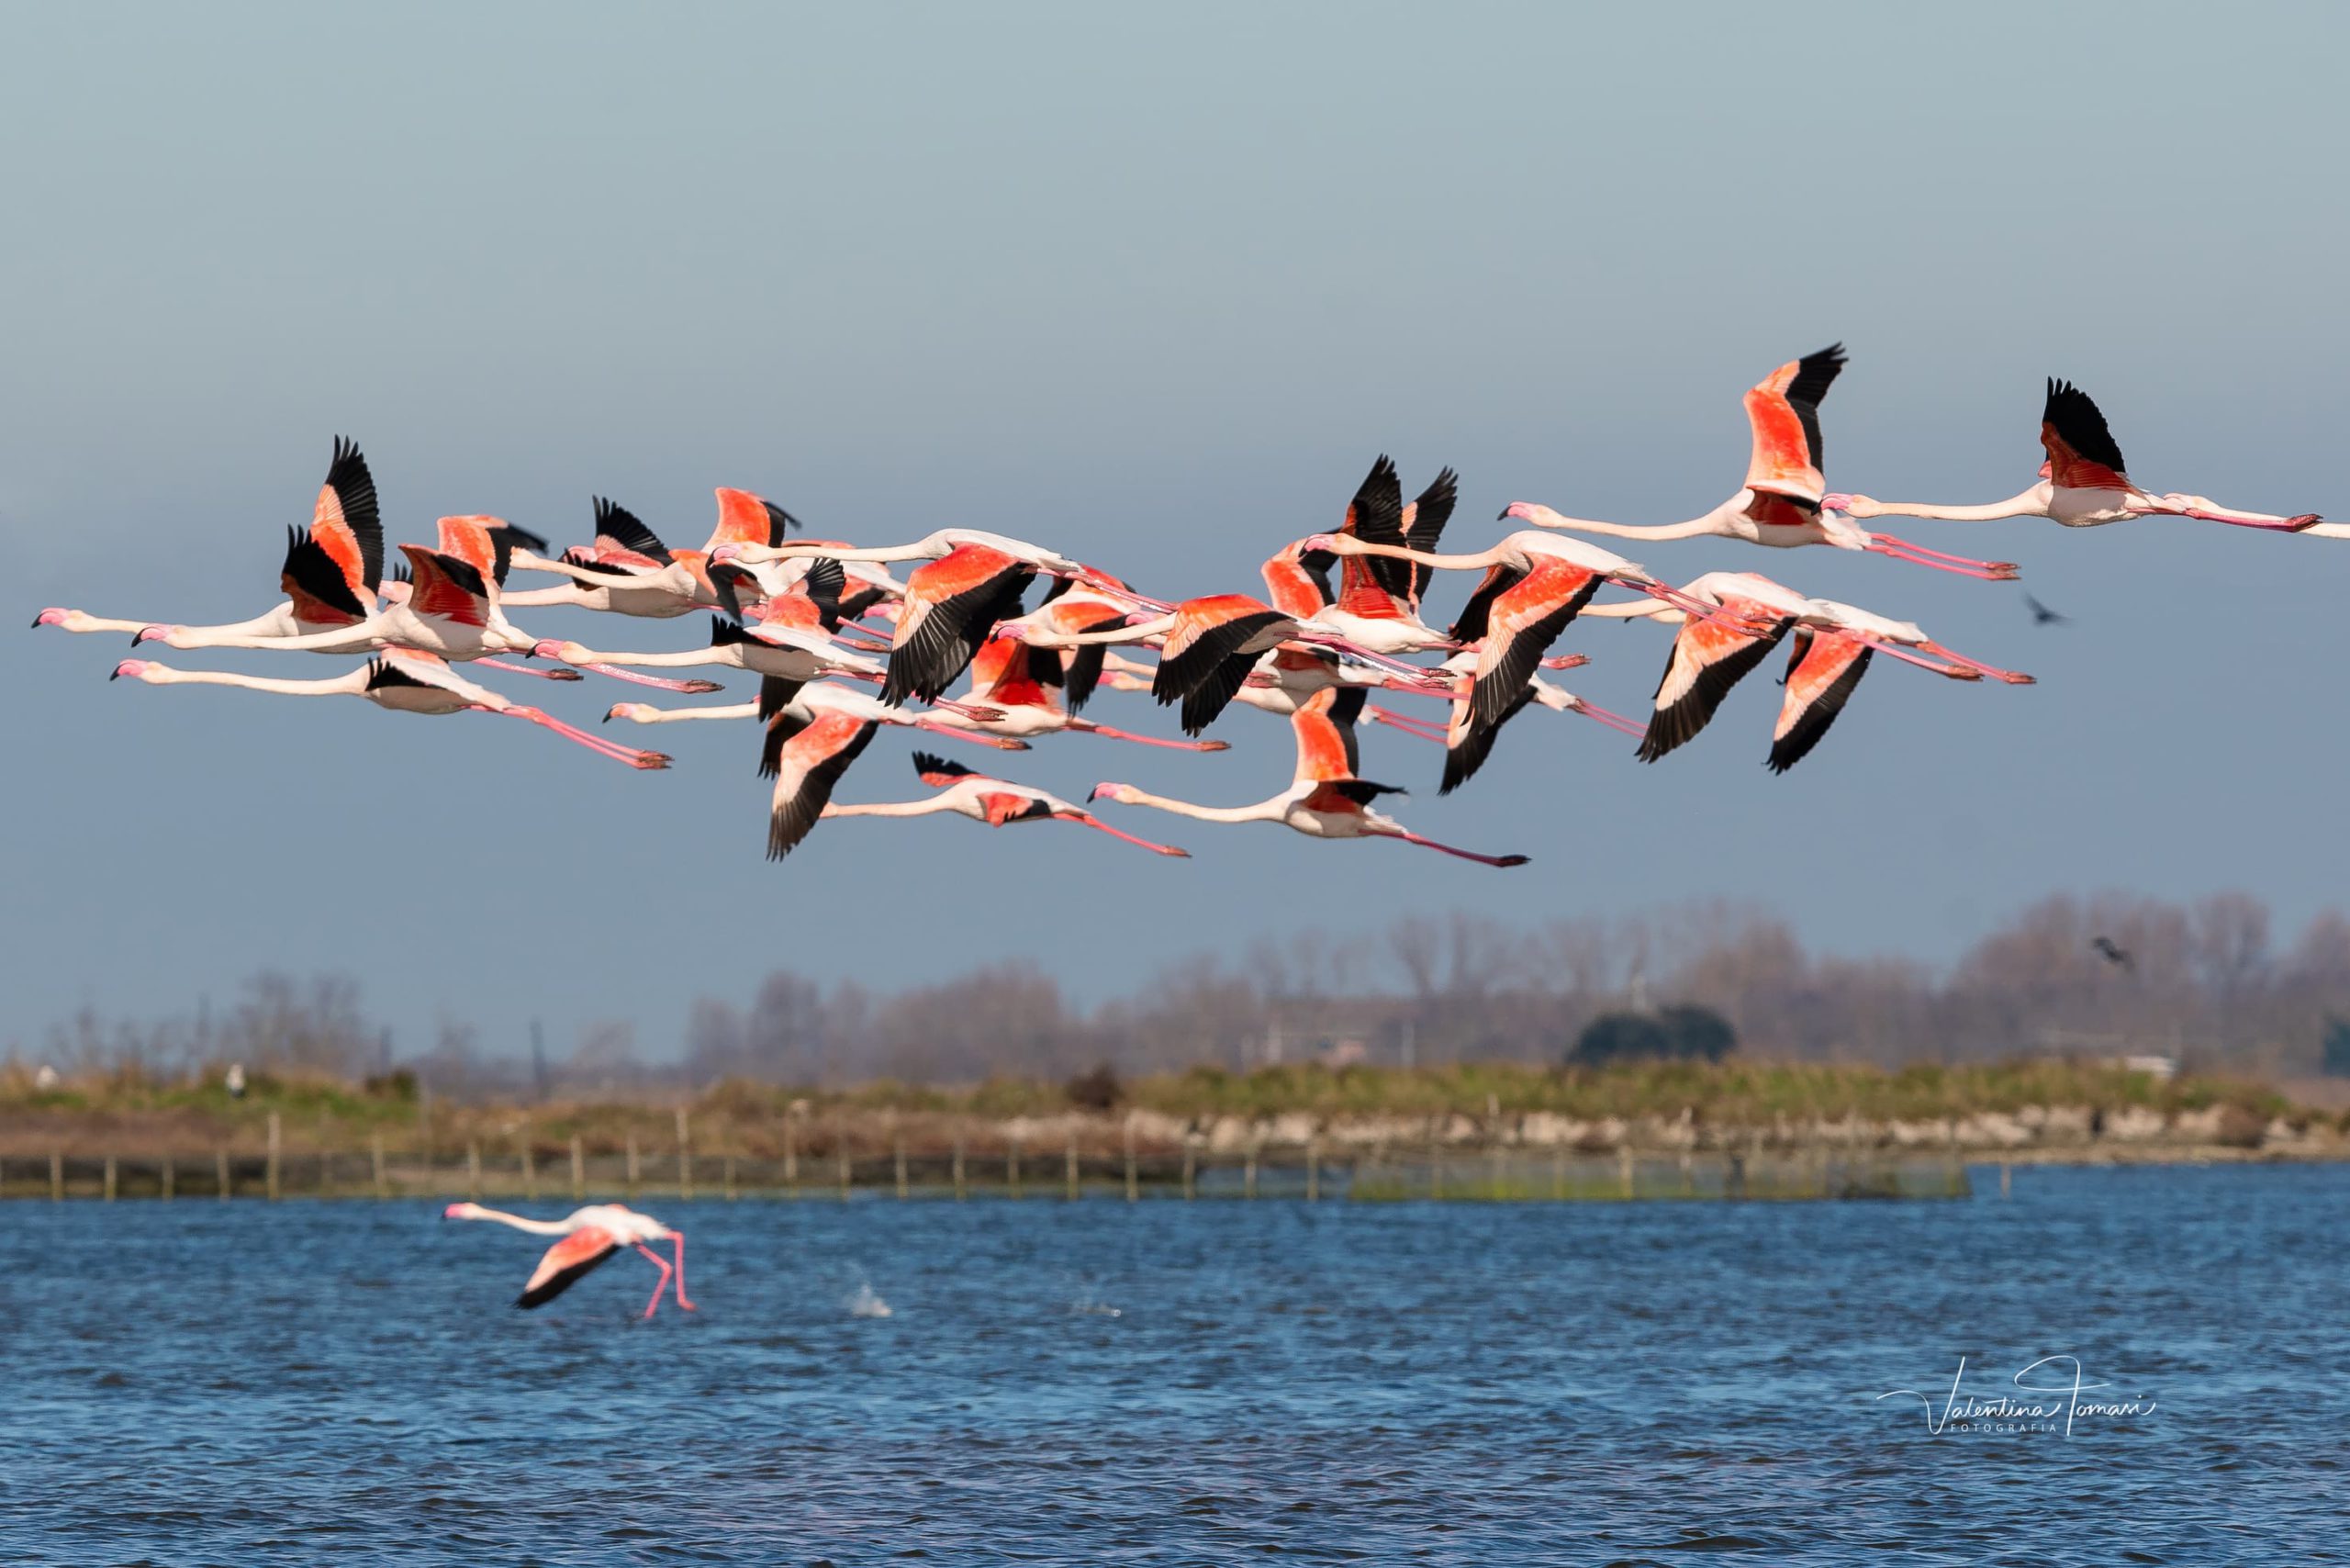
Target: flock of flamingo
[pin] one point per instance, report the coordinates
(817, 619)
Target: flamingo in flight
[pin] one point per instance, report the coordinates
(1831, 652)
(449, 607)
(994, 801)
(1535, 584)
(1781, 504)
(628, 571)
(399, 681)
(332, 572)
(2084, 483)
(588, 1236)
(1378, 600)
(1021, 682)
(970, 579)
(1326, 799)
(1468, 746)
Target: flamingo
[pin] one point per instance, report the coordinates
(994, 801)
(2083, 483)
(790, 637)
(589, 1235)
(1020, 681)
(1535, 584)
(1708, 659)
(400, 681)
(1781, 503)
(1325, 799)
(331, 571)
(1466, 748)
(628, 571)
(1377, 597)
(806, 758)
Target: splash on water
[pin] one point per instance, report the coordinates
(865, 1302)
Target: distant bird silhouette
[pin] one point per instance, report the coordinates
(2112, 952)
(2043, 616)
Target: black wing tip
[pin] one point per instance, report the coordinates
(927, 762)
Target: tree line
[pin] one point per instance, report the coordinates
(2206, 981)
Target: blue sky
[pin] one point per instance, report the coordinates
(1153, 287)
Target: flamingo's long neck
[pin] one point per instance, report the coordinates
(339, 686)
(1262, 811)
(1477, 561)
(535, 1227)
(1695, 528)
(2031, 503)
(896, 809)
(1136, 634)
(356, 639)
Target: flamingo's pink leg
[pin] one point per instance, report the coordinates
(634, 756)
(1567, 661)
(1964, 567)
(1083, 727)
(1001, 742)
(1089, 820)
(525, 669)
(1412, 727)
(977, 712)
(1613, 721)
(663, 1264)
(1954, 672)
(2012, 677)
(1463, 853)
(678, 1239)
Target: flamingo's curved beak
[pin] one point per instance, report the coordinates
(50, 618)
(134, 669)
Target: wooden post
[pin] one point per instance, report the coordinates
(792, 1153)
(220, 1173)
(110, 1177)
(274, 1149)
(1248, 1171)
(1190, 1169)
(897, 1151)
(685, 1160)
(730, 1179)
(169, 1183)
(2006, 1173)
(634, 1171)
(1688, 1175)
(1011, 1167)
(1072, 1167)
(1624, 1169)
(529, 1169)
(56, 1175)
(840, 1147)
(578, 1169)
(1313, 1170)
(1436, 1165)
(1558, 1171)
(958, 1168)
(1499, 1163)
(376, 1165)
(473, 1170)
(1134, 1188)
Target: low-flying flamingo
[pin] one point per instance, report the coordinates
(2083, 483)
(589, 1235)
(400, 681)
(1709, 658)
(1021, 682)
(331, 571)
(1324, 799)
(1781, 503)
(994, 801)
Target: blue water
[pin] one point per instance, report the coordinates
(1207, 1383)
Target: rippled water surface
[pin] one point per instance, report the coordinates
(1216, 1381)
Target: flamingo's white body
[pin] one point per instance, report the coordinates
(589, 1235)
